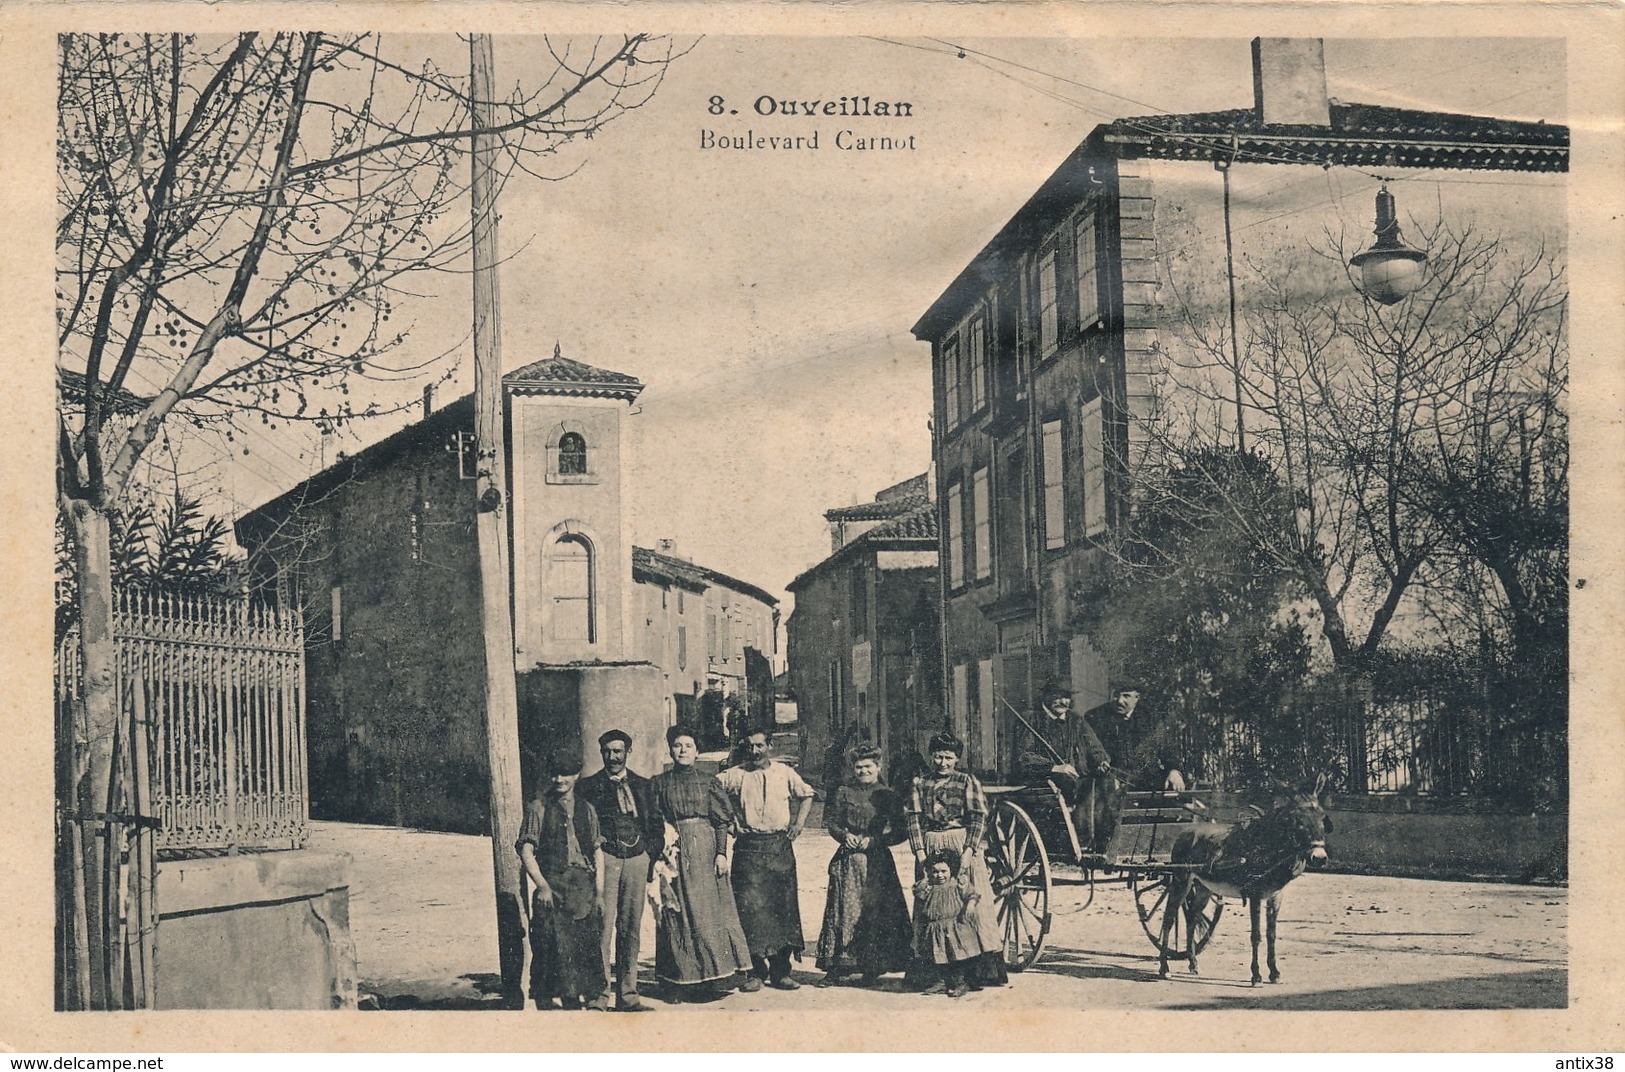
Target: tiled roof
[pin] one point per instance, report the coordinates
(722, 580)
(653, 564)
(1358, 134)
(686, 574)
(918, 524)
(566, 375)
(873, 511)
(1369, 120)
(914, 485)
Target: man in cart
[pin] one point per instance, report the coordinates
(1062, 747)
(1136, 757)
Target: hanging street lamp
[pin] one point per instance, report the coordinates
(1390, 270)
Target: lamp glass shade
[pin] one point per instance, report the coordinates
(1388, 276)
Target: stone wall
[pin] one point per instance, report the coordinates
(1414, 838)
(263, 931)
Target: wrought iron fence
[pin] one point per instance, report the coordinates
(1437, 742)
(219, 687)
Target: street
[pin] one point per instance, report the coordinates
(422, 914)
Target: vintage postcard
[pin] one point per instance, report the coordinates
(945, 527)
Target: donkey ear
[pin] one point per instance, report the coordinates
(1320, 783)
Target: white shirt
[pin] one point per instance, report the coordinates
(761, 798)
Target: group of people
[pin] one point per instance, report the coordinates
(713, 856)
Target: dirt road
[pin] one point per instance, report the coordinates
(424, 923)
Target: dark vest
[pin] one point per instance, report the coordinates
(552, 851)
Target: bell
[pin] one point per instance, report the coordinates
(1390, 270)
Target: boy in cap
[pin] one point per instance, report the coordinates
(559, 848)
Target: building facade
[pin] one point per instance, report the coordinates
(863, 642)
(379, 550)
(714, 637)
(1051, 350)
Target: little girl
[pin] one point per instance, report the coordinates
(945, 924)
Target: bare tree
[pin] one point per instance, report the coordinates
(240, 221)
(1367, 412)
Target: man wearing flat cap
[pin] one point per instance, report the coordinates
(632, 837)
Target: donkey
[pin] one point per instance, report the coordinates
(1254, 860)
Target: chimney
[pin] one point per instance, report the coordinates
(1289, 81)
(428, 398)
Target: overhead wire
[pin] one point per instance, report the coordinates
(1134, 123)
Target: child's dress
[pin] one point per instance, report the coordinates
(939, 936)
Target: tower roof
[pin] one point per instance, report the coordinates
(560, 375)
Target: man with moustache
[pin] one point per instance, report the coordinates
(770, 803)
(1137, 757)
(632, 838)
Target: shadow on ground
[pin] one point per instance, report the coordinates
(1540, 989)
(1087, 964)
(474, 991)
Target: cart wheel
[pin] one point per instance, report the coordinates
(1151, 891)
(1019, 869)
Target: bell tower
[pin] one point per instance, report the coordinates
(572, 555)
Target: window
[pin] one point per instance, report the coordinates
(572, 454)
(982, 522)
(1049, 324)
(1054, 487)
(337, 597)
(679, 601)
(1092, 452)
(950, 377)
(1088, 274)
(570, 582)
(976, 343)
(682, 647)
(956, 536)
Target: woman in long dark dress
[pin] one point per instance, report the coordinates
(866, 924)
(697, 934)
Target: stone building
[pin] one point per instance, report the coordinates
(863, 642)
(1050, 348)
(379, 550)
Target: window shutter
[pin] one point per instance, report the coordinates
(1054, 487)
(1049, 326)
(987, 748)
(978, 363)
(956, 536)
(1088, 275)
(981, 512)
(951, 376)
(1093, 451)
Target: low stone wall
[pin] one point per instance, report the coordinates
(1415, 837)
(1410, 837)
(262, 931)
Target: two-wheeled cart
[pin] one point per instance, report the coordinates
(1033, 844)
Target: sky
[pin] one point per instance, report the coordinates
(765, 298)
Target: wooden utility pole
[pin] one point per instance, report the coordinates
(501, 701)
